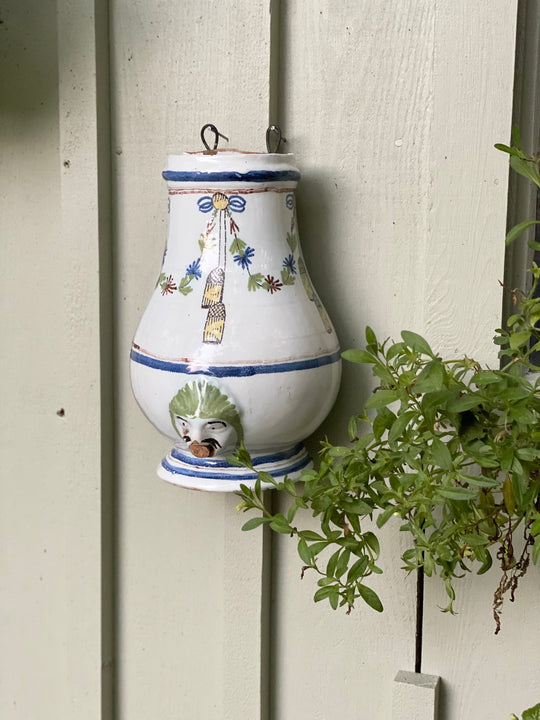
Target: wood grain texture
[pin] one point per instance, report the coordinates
(190, 632)
(50, 511)
(393, 114)
(356, 99)
(482, 675)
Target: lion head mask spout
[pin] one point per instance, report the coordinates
(205, 420)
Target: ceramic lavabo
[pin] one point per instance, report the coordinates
(234, 345)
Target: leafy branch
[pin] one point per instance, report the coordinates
(448, 448)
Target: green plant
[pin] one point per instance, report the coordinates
(447, 446)
(530, 714)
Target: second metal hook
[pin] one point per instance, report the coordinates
(274, 130)
(217, 135)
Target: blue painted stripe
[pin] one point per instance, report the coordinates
(233, 478)
(250, 176)
(213, 463)
(221, 371)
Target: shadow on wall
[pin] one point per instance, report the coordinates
(28, 67)
(319, 223)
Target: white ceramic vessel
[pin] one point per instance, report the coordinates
(234, 344)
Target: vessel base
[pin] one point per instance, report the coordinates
(217, 475)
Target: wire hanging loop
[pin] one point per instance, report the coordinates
(217, 135)
(274, 130)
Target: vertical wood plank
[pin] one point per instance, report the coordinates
(355, 107)
(51, 609)
(190, 597)
(393, 111)
(473, 77)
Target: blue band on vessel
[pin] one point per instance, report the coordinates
(248, 475)
(250, 176)
(234, 370)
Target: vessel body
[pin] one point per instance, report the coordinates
(234, 345)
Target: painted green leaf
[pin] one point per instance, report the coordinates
(185, 290)
(237, 246)
(287, 278)
(255, 282)
(292, 241)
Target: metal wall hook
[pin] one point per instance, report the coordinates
(217, 135)
(274, 130)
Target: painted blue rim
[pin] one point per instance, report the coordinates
(250, 176)
(221, 371)
(212, 463)
(234, 478)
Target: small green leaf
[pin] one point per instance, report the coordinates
(310, 535)
(373, 542)
(279, 524)
(253, 523)
(358, 507)
(517, 230)
(532, 713)
(486, 377)
(487, 563)
(380, 398)
(518, 338)
(305, 552)
(370, 597)
(358, 356)
(431, 378)
(371, 339)
(457, 493)
(508, 495)
(324, 592)
(416, 342)
(399, 426)
(441, 454)
(463, 403)
(358, 569)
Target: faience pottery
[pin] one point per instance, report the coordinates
(235, 345)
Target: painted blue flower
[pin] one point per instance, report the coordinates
(195, 269)
(244, 259)
(289, 263)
